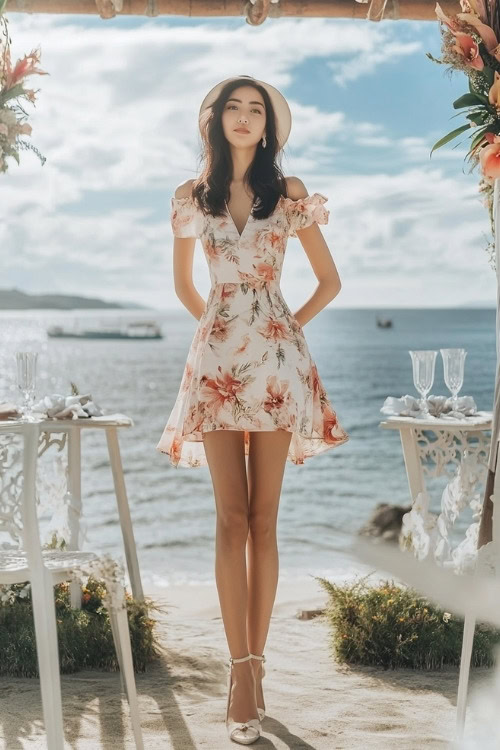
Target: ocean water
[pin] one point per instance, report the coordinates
(323, 502)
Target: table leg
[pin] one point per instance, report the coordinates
(124, 512)
(75, 488)
(413, 465)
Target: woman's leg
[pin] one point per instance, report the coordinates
(266, 466)
(226, 461)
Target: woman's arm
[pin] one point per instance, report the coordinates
(321, 260)
(183, 264)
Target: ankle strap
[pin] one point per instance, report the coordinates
(243, 658)
(254, 656)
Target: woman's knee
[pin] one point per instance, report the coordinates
(232, 527)
(262, 527)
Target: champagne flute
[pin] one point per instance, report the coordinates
(26, 382)
(423, 361)
(454, 365)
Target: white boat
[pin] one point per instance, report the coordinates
(140, 329)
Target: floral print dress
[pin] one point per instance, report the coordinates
(249, 366)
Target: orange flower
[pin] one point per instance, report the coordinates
(316, 382)
(22, 68)
(274, 330)
(276, 393)
(222, 389)
(228, 290)
(490, 160)
(175, 450)
(220, 329)
(265, 271)
(329, 425)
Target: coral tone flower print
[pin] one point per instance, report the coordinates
(276, 393)
(329, 425)
(274, 330)
(265, 271)
(217, 392)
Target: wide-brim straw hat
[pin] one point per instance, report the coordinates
(280, 105)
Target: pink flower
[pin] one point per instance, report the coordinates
(467, 47)
(485, 32)
(490, 160)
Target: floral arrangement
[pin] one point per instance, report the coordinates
(470, 44)
(84, 635)
(392, 626)
(12, 116)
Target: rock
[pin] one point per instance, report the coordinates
(385, 522)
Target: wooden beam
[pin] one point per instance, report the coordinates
(419, 10)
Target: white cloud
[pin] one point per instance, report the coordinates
(117, 121)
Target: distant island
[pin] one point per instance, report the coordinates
(14, 299)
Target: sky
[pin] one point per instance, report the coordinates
(117, 120)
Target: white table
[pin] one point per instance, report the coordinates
(454, 441)
(430, 457)
(61, 432)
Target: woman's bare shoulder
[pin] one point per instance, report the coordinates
(184, 189)
(295, 188)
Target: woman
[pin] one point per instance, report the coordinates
(250, 397)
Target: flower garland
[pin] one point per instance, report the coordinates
(470, 44)
(13, 117)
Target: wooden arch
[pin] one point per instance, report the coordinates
(255, 12)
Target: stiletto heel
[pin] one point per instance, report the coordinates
(262, 711)
(244, 732)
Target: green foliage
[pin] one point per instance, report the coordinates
(392, 626)
(84, 635)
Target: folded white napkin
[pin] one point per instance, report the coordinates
(64, 407)
(440, 407)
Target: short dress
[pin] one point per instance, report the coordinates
(249, 366)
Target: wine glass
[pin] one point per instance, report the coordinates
(423, 361)
(453, 364)
(26, 382)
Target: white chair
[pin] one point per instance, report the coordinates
(44, 569)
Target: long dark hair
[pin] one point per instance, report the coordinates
(211, 189)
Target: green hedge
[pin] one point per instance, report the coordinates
(393, 626)
(84, 635)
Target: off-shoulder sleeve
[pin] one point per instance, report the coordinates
(305, 211)
(184, 217)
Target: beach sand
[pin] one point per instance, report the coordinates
(312, 702)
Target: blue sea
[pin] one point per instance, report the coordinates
(323, 502)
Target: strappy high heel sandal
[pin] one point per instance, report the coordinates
(262, 711)
(244, 732)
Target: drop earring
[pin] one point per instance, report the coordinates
(264, 142)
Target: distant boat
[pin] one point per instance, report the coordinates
(384, 322)
(141, 329)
